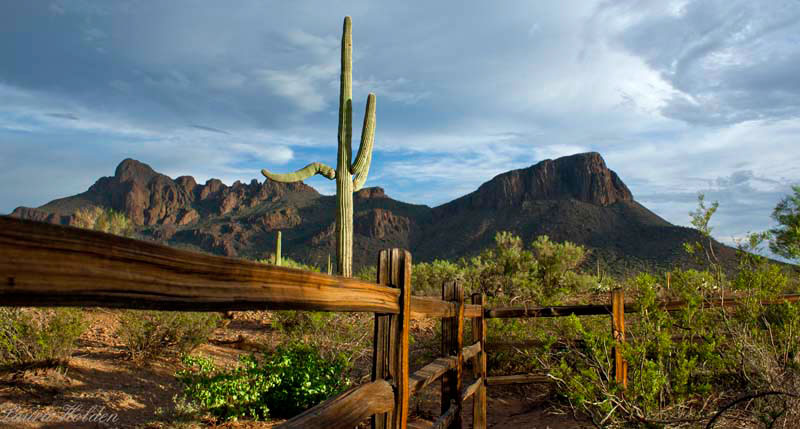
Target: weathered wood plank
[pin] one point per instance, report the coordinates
(498, 380)
(347, 409)
(381, 344)
(400, 260)
(452, 343)
(555, 311)
(618, 332)
(429, 306)
(479, 411)
(431, 372)
(605, 310)
(469, 352)
(471, 389)
(448, 418)
(52, 265)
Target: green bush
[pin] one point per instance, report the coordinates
(30, 336)
(290, 263)
(148, 334)
(288, 381)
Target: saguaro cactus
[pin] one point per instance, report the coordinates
(346, 168)
(278, 250)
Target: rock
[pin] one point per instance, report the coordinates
(583, 177)
(380, 223)
(373, 192)
(283, 218)
(188, 216)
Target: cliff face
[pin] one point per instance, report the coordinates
(575, 198)
(150, 198)
(582, 177)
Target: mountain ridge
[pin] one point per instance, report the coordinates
(575, 198)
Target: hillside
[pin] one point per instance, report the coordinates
(575, 198)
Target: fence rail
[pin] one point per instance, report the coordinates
(52, 265)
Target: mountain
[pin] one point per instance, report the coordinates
(574, 198)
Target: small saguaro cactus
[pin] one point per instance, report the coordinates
(278, 250)
(346, 167)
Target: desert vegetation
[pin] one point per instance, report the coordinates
(699, 365)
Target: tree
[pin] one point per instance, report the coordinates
(786, 237)
(345, 167)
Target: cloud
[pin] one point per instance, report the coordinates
(729, 61)
(69, 116)
(679, 96)
(210, 129)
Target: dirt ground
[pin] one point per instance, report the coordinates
(100, 388)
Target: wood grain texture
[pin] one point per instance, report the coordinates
(448, 418)
(470, 352)
(346, 410)
(452, 343)
(52, 265)
(400, 261)
(381, 344)
(554, 311)
(428, 306)
(602, 309)
(618, 332)
(431, 372)
(471, 389)
(498, 380)
(479, 411)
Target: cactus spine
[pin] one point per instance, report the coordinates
(278, 250)
(346, 167)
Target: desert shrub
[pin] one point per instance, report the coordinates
(283, 383)
(148, 334)
(543, 274)
(290, 263)
(336, 335)
(368, 273)
(785, 238)
(427, 277)
(105, 220)
(686, 366)
(29, 336)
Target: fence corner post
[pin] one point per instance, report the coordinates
(479, 365)
(618, 332)
(452, 343)
(390, 343)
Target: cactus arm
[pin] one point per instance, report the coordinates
(360, 167)
(346, 93)
(302, 174)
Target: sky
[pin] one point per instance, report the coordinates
(679, 97)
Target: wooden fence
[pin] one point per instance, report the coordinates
(50, 265)
(616, 310)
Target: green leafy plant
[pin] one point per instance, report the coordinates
(105, 220)
(29, 336)
(283, 383)
(786, 236)
(148, 334)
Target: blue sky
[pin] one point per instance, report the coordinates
(679, 97)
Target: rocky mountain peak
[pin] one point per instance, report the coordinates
(131, 170)
(583, 177)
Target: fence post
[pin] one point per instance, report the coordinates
(452, 343)
(618, 331)
(479, 366)
(390, 346)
